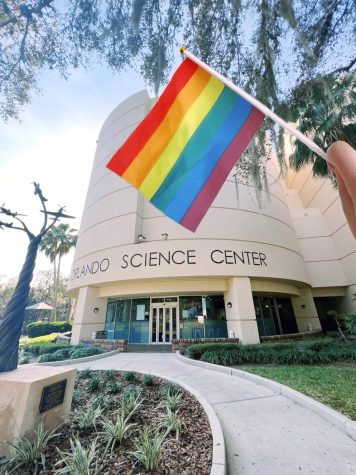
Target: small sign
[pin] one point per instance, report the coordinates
(52, 395)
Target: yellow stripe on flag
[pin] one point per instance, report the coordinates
(185, 131)
(149, 154)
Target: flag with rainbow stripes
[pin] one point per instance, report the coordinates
(180, 155)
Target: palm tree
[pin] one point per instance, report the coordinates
(325, 109)
(55, 244)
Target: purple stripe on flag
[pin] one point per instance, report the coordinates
(221, 171)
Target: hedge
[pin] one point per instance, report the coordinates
(45, 328)
(301, 352)
(43, 348)
(70, 352)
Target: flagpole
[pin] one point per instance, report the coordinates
(261, 107)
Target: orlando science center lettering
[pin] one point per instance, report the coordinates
(170, 258)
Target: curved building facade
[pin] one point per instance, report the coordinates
(245, 272)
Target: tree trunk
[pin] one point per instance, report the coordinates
(54, 318)
(56, 288)
(14, 314)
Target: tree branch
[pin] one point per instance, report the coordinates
(14, 215)
(345, 68)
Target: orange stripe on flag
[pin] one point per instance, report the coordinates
(152, 150)
(128, 151)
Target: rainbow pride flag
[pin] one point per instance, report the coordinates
(180, 155)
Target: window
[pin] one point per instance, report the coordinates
(190, 308)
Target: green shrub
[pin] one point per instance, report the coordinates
(149, 448)
(171, 389)
(148, 380)
(52, 347)
(93, 384)
(45, 328)
(350, 323)
(114, 432)
(64, 352)
(109, 374)
(195, 351)
(114, 387)
(87, 373)
(172, 423)
(24, 360)
(26, 455)
(129, 375)
(78, 460)
(286, 353)
(58, 355)
(42, 348)
(83, 352)
(172, 403)
(102, 402)
(130, 403)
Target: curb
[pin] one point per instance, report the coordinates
(78, 360)
(345, 424)
(218, 466)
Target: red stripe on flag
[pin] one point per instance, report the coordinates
(128, 151)
(221, 171)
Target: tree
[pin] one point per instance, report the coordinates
(6, 290)
(267, 47)
(325, 108)
(56, 243)
(13, 316)
(42, 290)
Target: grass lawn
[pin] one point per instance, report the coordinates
(333, 385)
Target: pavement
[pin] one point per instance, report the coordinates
(265, 432)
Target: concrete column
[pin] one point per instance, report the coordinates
(241, 317)
(305, 311)
(348, 304)
(86, 321)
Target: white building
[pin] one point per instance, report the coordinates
(245, 272)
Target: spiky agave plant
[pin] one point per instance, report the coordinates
(78, 461)
(27, 454)
(130, 403)
(172, 423)
(149, 448)
(114, 432)
(172, 402)
(88, 418)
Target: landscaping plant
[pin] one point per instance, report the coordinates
(172, 423)
(87, 419)
(36, 329)
(148, 380)
(130, 375)
(109, 374)
(114, 432)
(114, 387)
(130, 403)
(27, 454)
(149, 448)
(87, 373)
(93, 384)
(78, 461)
(172, 402)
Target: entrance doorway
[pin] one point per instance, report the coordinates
(164, 323)
(275, 316)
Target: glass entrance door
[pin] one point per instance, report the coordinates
(164, 325)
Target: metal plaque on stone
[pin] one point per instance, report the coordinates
(52, 395)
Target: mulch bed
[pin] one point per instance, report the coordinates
(191, 454)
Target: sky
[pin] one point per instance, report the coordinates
(54, 144)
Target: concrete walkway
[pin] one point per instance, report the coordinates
(265, 433)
